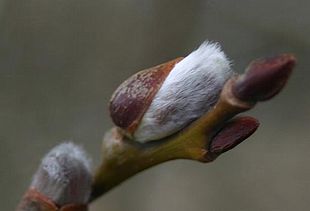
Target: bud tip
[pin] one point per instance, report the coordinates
(264, 78)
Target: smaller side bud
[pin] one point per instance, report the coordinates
(232, 134)
(264, 78)
(64, 176)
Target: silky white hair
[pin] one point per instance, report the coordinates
(190, 90)
(64, 175)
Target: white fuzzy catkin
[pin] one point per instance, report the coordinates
(64, 175)
(190, 90)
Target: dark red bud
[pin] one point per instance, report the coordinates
(233, 133)
(264, 78)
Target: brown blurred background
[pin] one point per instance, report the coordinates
(60, 61)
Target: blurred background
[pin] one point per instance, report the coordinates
(60, 61)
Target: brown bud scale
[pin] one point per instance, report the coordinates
(133, 97)
(35, 201)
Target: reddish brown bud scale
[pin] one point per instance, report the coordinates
(131, 100)
(264, 78)
(36, 201)
(233, 133)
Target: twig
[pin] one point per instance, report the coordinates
(123, 158)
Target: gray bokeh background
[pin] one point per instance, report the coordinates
(60, 61)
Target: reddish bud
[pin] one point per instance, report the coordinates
(233, 133)
(264, 78)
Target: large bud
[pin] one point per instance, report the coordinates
(159, 101)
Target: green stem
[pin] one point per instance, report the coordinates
(123, 158)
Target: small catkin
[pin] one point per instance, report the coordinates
(64, 175)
